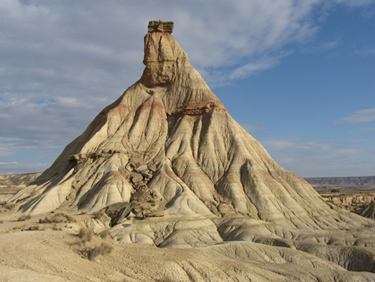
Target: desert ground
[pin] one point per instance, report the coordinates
(79, 247)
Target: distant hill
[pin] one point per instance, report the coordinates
(18, 179)
(347, 183)
(12, 183)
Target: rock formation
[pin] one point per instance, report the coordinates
(352, 201)
(368, 210)
(172, 168)
(12, 183)
(168, 135)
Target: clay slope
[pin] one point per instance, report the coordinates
(368, 210)
(170, 142)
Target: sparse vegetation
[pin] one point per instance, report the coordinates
(58, 218)
(56, 228)
(335, 191)
(24, 217)
(100, 215)
(32, 228)
(7, 205)
(105, 234)
(85, 233)
(92, 252)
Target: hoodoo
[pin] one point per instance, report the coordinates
(168, 148)
(166, 166)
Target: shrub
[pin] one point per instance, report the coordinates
(92, 252)
(58, 218)
(85, 233)
(7, 205)
(105, 234)
(56, 228)
(335, 191)
(24, 217)
(100, 215)
(31, 228)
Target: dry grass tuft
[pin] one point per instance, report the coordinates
(105, 234)
(32, 228)
(100, 215)
(7, 205)
(24, 217)
(85, 233)
(92, 252)
(56, 227)
(58, 218)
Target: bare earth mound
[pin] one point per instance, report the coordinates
(12, 183)
(167, 166)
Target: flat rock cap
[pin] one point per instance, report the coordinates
(160, 26)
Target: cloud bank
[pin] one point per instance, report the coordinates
(321, 159)
(63, 61)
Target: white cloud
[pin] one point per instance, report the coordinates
(323, 47)
(368, 51)
(250, 68)
(319, 159)
(17, 168)
(64, 61)
(360, 116)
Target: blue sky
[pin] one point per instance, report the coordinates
(297, 75)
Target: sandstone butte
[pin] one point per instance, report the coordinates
(175, 170)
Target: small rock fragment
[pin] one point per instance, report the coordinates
(141, 168)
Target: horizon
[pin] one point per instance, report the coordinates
(361, 176)
(297, 75)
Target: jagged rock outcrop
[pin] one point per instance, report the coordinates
(368, 210)
(349, 200)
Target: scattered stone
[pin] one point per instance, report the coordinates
(225, 208)
(141, 168)
(121, 214)
(136, 177)
(113, 209)
(129, 167)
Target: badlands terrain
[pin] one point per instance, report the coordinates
(355, 194)
(164, 185)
